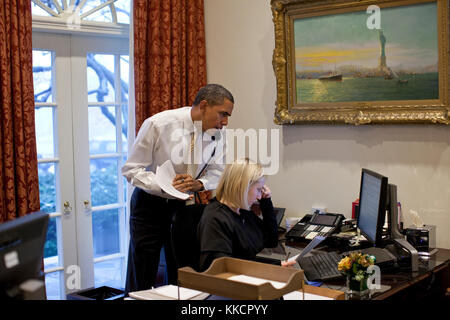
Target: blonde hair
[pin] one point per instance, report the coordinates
(236, 180)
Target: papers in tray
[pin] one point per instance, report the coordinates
(294, 295)
(169, 292)
(256, 281)
(164, 177)
(297, 295)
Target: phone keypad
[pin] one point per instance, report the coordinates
(314, 230)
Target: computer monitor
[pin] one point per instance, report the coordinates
(279, 214)
(21, 252)
(372, 206)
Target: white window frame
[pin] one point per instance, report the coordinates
(61, 25)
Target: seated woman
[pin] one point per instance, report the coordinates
(228, 228)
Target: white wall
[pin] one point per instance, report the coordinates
(321, 165)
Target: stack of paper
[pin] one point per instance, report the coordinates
(295, 295)
(256, 281)
(169, 292)
(164, 177)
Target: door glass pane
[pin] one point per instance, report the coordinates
(124, 184)
(102, 130)
(124, 77)
(100, 77)
(53, 285)
(109, 273)
(51, 258)
(123, 11)
(124, 80)
(102, 15)
(105, 230)
(45, 132)
(38, 11)
(47, 186)
(124, 128)
(42, 75)
(104, 173)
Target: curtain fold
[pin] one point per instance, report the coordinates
(169, 54)
(19, 185)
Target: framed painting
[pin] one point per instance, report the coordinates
(361, 62)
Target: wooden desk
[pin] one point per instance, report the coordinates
(330, 293)
(430, 283)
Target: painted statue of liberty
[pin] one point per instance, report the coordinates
(382, 55)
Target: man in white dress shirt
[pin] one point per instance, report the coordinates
(180, 135)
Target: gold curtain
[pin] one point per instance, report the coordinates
(19, 185)
(169, 54)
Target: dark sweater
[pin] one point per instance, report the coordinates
(224, 233)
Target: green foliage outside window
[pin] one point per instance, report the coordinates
(103, 189)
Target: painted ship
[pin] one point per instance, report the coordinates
(334, 76)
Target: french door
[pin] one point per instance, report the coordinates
(81, 97)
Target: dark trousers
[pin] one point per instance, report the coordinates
(150, 221)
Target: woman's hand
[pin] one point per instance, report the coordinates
(265, 192)
(288, 263)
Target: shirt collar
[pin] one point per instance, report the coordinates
(189, 124)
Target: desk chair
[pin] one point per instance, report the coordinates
(185, 246)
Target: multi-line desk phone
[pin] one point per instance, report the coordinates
(314, 225)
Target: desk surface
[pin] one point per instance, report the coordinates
(393, 283)
(438, 262)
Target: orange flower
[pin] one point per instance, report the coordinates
(354, 256)
(363, 262)
(345, 264)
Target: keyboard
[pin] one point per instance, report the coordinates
(322, 266)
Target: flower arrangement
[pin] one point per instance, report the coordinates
(355, 265)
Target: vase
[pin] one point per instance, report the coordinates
(357, 289)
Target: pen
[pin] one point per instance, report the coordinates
(287, 256)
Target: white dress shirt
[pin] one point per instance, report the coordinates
(167, 135)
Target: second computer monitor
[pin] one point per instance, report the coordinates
(372, 205)
(21, 252)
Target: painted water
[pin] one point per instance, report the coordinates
(417, 87)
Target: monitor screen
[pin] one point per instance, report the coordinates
(279, 214)
(372, 205)
(21, 251)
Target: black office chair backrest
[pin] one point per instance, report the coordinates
(185, 245)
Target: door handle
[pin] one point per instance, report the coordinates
(67, 208)
(87, 205)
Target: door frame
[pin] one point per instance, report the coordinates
(65, 187)
(81, 45)
(76, 246)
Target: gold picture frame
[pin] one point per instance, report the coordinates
(402, 84)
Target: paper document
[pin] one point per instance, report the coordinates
(168, 292)
(172, 292)
(164, 178)
(297, 295)
(314, 243)
(257, 281)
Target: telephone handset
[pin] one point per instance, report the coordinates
(314, 225)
